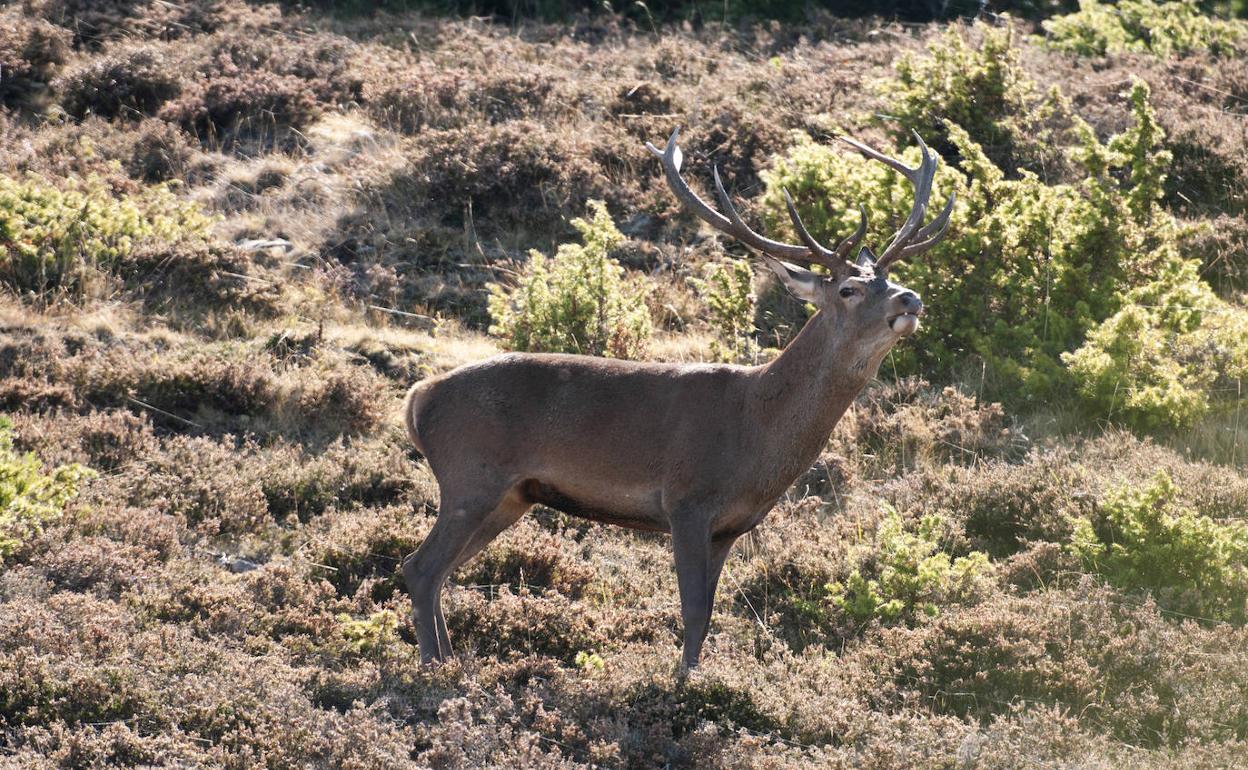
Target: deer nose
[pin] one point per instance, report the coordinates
(911, 302)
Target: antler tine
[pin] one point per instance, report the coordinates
(732, 224)
(826, 257)
(847, 245)
(903, 242)
(672, 160)
(932, 232)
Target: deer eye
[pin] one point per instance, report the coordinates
(848, 291)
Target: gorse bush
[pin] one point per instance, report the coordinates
(727, 290)
(1028, 267)
(912, 574)
(30, 497)
(62, 240)
(1143, 539)
(1161, 29)
(579, 301)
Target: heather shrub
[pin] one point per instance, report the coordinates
(159, 152)
(106, 440)
(510, 174)
(908, 423)
(912, 575)
(1165, 29)
(579, 301)
(518, 622)
(63, 240)
(1028, 267)
(195, 284)
(1121, 665)
(1170, 355)
(304, 484)
(364, 548)
(440, 97)
(1001, 508)
(261, 86)
(1142, 539)
(31, 497)
(31, 53)
(250, 103)
(727, 291)
(528, 555)
(203, 482)
(132, 84)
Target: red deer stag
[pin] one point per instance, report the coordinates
(702, 451)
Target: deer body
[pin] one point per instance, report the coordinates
(702, 451)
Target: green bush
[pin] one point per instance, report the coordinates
(1161, 29)
(1144, 540)
(727, 290)
(579, 301)
(979, 87)
(63, 240)
(912, 574)
(1028, 267)
(1169, 356)
(30, 497)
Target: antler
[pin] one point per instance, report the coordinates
(732, 224)
(911, 239)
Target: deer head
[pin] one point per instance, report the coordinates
(856, 295)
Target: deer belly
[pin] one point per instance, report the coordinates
(635, 509)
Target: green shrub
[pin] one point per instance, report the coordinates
(727, 290)
(1162, 29)
(1165, 359)
(579, 301)
(63, 240)
(1142, 539)
(978, 87)
(1028, 267)
(371, 634)
(30, 497)
(912, 574)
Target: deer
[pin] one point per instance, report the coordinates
(700, 451)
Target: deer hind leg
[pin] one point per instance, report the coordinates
(425, 571)
(462, 529)
(507, 513)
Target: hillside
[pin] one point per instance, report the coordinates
(232, 234)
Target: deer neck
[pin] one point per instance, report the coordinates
(800, 396)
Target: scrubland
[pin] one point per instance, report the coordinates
(232, 234)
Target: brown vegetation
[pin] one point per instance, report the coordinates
(225, 592)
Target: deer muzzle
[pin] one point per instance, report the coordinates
(906, 322)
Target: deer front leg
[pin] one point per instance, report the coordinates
(691, 548)
(720, 547)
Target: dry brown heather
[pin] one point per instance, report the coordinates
(226, 592)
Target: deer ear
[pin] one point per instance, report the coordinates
(866, 258)
(800, 282)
